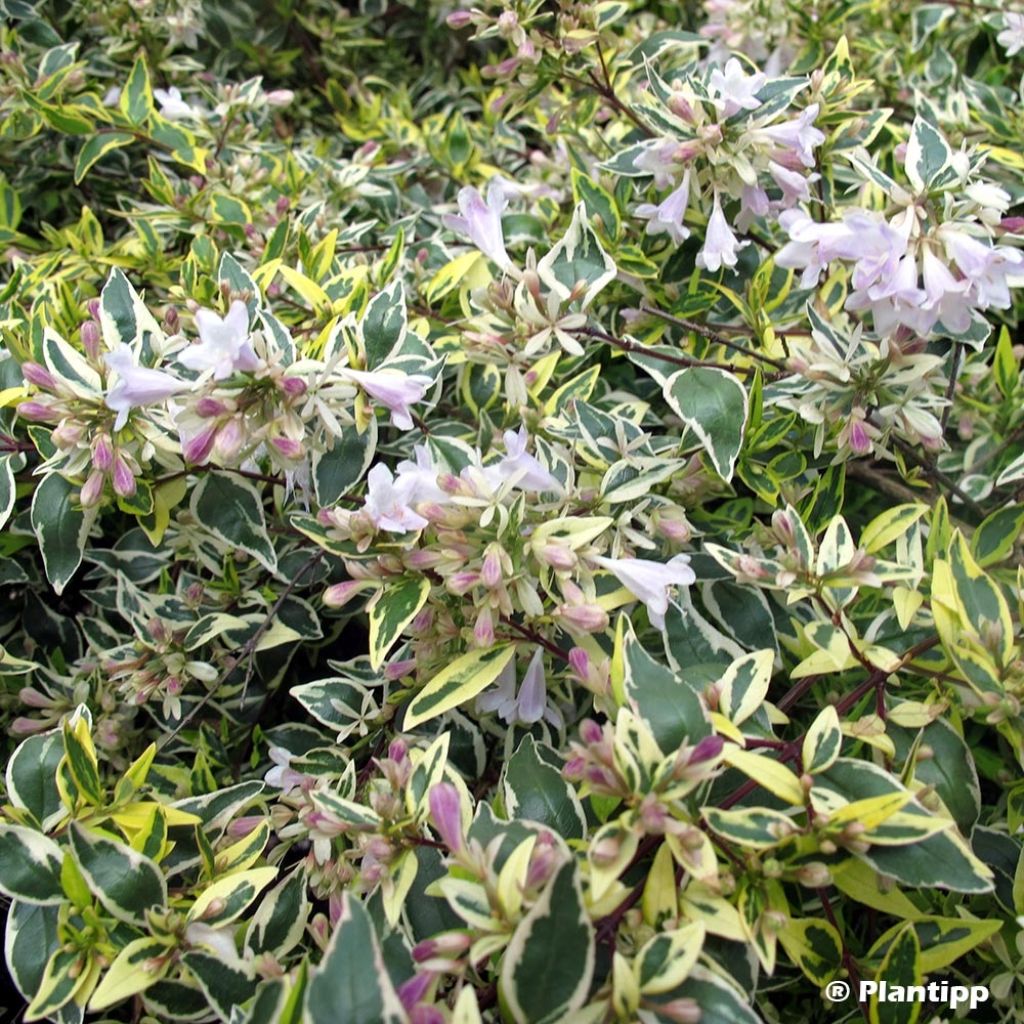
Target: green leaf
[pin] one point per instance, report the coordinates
(929, 158)
(713, 404)
(130, 973)
(60, 527)
(548, 965)
(669, 706)
(280, 920)
(351, 983)
(815, 947)
(383, 325)
(994, 539)
(598, 202)
(124, 881)
(29, 865)
(577, 257)
(137, 95)
(719, 1001)
(232, 510)
(460, 682)
(823, 741)
(124, 318)
(902, 966)
(226, 985)
(534, 790)
(81, 759)
(942, 940)
(744, 686)
(30, 942)
(96, 147)
(337, 470)
(756, 828)
(391, 610)
(942, 861)
(6, 488)
(228, 897)
(31, 777)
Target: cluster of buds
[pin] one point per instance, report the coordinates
(859, 391)
(158, 666)
(718, 140)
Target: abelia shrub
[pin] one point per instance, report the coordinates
(511, 514)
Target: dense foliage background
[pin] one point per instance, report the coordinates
(510, 514)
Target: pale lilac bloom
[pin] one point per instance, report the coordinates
(733, 89)
(393, 389)
(660, 160)
(649, 581)
(986, 267)
(893, 299)
(531, 703)
(173, 106)
(519, 467)
(388, 501)
(1012, 36)
(798, 135)
(482, 221)
(420, 477)
(795, 186)
(224, 344)
(668, 215)
(944, 294)
(282, 776)
(720, 244)
(136, 385)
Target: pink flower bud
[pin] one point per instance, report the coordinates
(102, 453)
(33, 698)
(91, 339)
(280, 97)
(26, 726)
(197, 449)
(579, 662)
(92, 490)
(282, 204)
(339, 594)
(590, 618)
(590, 732)
(39, 376)
(459, 19)
(398, 750)
(446, 813)
(229, 439)
(207, 407)
(483, 631)
(490, 572)
(124, 479)
(31, 410)
(93, 305)
(67, 435)
(288, 447)
(860, 439)
(293, 386)
(462, 582)
(706, 750)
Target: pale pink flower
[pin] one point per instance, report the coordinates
(224, 346)
(136, 385)
(667, 216)
(393, 389)
(173, 106)
(519, 467)
(482, 221)
(1012, 36)
(388, 502)
(649, 581)
(720, 244)
(733, 89)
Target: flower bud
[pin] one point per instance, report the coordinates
(124, 479)
(459, 19)
(102, 453)
(90, 334)
(339, 594)
(198, 447)
(280, 97)
(92, 490)
(39, 376)
(293, 386)
(590, 618)
(31, 410)
(446, 813)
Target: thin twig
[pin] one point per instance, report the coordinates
(248, 651)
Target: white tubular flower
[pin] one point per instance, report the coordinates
(136, 385)
(173, 106)
(1012, 36)
(733, 90)
(649, 581)
(481, 221)
(388, 502)
(720, 244)
(224, 344)
(667, 216)
(393, 389)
